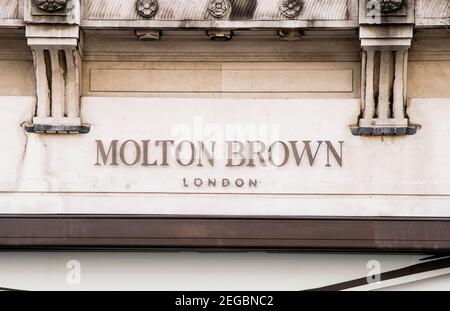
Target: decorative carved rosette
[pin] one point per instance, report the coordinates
(147, 8)
(219, 8)
(390, 6)
(291, 8)
(51, 5)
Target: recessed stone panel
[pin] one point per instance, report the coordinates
(226, 78)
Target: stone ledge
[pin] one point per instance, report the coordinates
(57, 129)
(384, 131)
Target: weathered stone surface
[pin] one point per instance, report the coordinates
(9, 9)
(432, 12)
(432, 8)
(240, 10)
(184, 13)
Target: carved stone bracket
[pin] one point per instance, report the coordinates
(384, 76)
(58, 70)
(385, 47)
(57, 63)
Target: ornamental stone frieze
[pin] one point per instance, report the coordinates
(209, 13)
(204, 13)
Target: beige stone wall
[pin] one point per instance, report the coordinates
(16, 78)
(10, 9)
(200, 68)
(257, 65)
(429, 65)
(429, 79)
(16, 64)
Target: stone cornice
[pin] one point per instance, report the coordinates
(241, 14)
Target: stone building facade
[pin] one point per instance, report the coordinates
(226, 124)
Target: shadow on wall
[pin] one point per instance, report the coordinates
(243, 9)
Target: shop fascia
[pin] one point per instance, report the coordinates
(185, 153)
